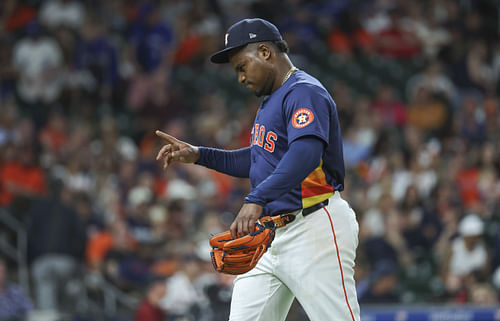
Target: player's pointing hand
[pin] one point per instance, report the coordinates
(176, 151)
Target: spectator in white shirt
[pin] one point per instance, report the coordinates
(38, 61)
(67, 13)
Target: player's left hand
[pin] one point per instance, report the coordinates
(244, 223)
(176, 150)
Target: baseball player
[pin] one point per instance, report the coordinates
(295, 165)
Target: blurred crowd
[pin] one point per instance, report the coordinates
(85, 83)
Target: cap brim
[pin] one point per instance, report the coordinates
(222, 57)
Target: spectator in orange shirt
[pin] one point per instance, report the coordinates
(117, 237)
(21, 176)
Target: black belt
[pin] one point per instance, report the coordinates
(309, 210)
(280, 220)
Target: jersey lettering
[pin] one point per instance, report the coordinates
(263, 139)
(270, 139)
(262, 132)
(255, 134)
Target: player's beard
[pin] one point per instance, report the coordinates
(258, 93)
(266, 89)
(254, 90)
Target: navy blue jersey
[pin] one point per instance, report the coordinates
(300, 107)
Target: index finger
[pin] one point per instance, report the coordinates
(165, 136)
(233, 230)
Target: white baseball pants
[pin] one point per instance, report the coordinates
(312, 259)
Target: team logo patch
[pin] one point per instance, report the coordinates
(226, 38)
(302, 118)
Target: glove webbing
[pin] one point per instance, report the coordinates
(238, 256)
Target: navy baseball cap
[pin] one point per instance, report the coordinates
(244, 32)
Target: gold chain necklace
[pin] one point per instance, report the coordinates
(289, 73)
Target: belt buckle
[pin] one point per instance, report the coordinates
(277, 221)
(284, 219)
(268, 221)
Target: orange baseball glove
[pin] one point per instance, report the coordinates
(240, 255)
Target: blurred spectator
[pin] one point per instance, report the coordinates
(484, 295)
(431, 33)
(21, 177)
(91, 221)
(7, 71)
(128, 270)
(183, 297)
(54, 135)
(495, 261)
(397, 40)
(345, 101)
(434, 81)
(14, 303)
(472, 120)
(428, 113)
(391, 110)
(76, 176)
(152, 37)
(496, 65)
(355, 150)
(474, 71)
(421, 227)
(373, 221)
(218, 293)
(7, 125)
(382, 288)
(96, 54)
(38, 60)
(197, 33)
(158, 216)
(111, 143)
(300, 32)
(139, 198)
(116, 237)
(62, 13)
(56, 244)
(467, 253)
(16, 15)
(350, 36)
(467, 179)
(149, 308)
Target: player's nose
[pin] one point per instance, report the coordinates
(241, 78)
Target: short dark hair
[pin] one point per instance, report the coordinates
(282, 46)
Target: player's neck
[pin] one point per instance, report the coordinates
(284, 71)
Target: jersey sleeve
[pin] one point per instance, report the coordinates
(307, 112)
(231, 162)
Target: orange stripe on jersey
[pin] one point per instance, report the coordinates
(315, 191)
(314, 188)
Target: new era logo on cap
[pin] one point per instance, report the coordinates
(244, 32)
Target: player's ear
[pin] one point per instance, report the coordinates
(264, 51)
